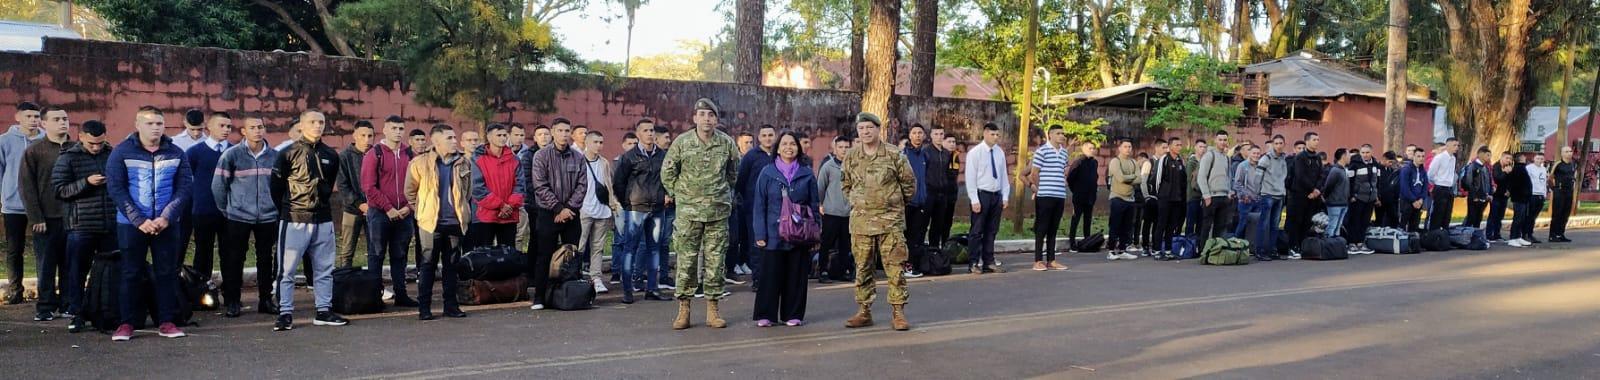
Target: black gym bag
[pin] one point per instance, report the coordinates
(357, 291)
(573, 295)
(493, 263)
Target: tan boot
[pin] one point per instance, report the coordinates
(714, 315)
(899, 321)
(683, 316)
(863, 317)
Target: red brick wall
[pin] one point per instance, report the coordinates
(110, 80)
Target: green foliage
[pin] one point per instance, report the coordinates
(988, 35)
(1194, 86)
(471, 55)
(232, 24)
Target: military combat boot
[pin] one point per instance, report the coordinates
(899, 321)
(683, 316)
(863, 317)
(714, 316)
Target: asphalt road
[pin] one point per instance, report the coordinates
(1504, 313)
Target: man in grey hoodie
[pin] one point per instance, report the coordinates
(12, 145)
(243, 192)
(1275, 164)
(835, 216)
(1217, 190)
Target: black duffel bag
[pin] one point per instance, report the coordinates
(356, 291)
(493, 263)
(1436, 241)
(934, 262)
(1090, 244)
(573, 295)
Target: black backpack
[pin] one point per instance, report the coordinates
(1091, 244)
(100, 307)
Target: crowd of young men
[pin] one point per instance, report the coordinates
(440, 193)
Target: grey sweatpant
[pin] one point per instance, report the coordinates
(305, 240)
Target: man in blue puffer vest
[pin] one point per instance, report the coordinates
(149, 183)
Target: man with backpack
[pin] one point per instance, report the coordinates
(243, 192)
(391, 218)
(1170, 185)
(78, 179)
(1215, 184)
(148, 211)
(438, 183)
(1478, 186)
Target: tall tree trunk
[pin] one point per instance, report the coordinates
(1394, 116)
(1568, 58)
(882, 31)
(1487, 70)
(750, 20)
(1283, 27)
(1243, 32)
(923, 50)
(627, 52)
(858, 38)
(1030, 54)
(335, 36)
(1102, 48)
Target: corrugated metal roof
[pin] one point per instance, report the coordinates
(1303, 75)
(1541, 124)
(29, 37)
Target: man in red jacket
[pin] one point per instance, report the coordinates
(390, 223)
(497, 191)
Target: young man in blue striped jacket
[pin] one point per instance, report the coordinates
(149, 183)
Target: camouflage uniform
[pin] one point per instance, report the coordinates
(878, 187)
(699, 176)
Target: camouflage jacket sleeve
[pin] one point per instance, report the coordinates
(670, 171)
(730, 168)
(907, 178)
(846, 178)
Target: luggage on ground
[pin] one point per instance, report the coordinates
(1182, 248)
(572, 295)
(357, 291)
(1468, 238)
(841, 265)
(491, 263)
(1324, 248)
(956, 247)
(934, 262)
(1226, 251)
(1436, 240)
(1091, 244)
(489, 292)
(100, 297)
(564, 264)
(1392, 241)
(199, 292)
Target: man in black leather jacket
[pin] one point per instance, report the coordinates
(302, 186)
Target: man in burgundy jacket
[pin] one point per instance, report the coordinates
(389, 215)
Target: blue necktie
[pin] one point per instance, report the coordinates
(993, 167)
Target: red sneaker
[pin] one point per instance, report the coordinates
(168, 330)
(123, 333)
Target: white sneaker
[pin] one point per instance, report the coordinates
(1518, 243)
(538, 306)
(388, 295)
(665, 287)
(1294, 256)
(600, 286)
(1113, 256)
(732, 281)
(1135, 249)
(1128, 256)
(744, 269)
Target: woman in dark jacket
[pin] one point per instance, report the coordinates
(782, 295)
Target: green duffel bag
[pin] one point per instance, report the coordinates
(1226, 251)
(956, 248)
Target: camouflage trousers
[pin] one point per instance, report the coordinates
(869, 249)
(702, 249)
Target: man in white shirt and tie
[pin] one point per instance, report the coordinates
(1442, 171)
(194, 129)
(989, 189)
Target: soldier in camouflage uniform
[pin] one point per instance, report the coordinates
(698, 174)
(878, 182)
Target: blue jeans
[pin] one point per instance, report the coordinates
(1266, 239)
(82, 247)
(642, 234)
(1191, 222)
(162, 249)
(669, 219)
(1335, 220)
(388, 238)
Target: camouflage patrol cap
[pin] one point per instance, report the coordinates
(869, 117)
(706, 104)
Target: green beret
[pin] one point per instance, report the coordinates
(706, 104)
(869, 117)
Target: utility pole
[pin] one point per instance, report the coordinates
(1588, 132)
(1029, 60)
(1394, 115)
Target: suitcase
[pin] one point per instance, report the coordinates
(487, 292)
(1392, 241)
(572, 295)
(1226, 251)
(1468, 238)
(356, 291)
(1324, 248)
(1436, 241)
(491, 263)
(935, 263)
